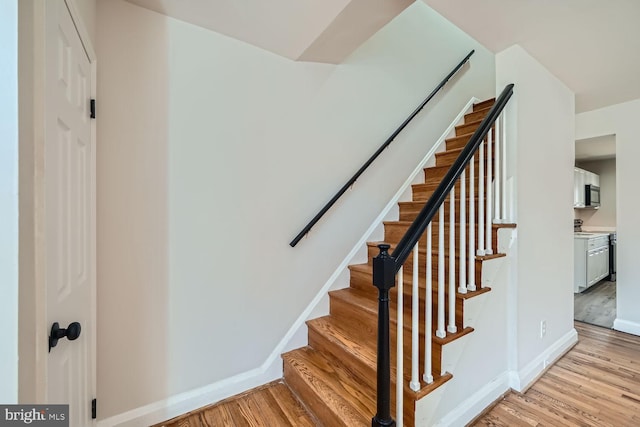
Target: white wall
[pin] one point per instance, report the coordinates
(604, 218)
(542, 119)
(622, 120)
(9, 201)
(87, 9)
(212, 155)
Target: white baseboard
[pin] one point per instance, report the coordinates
(520, 380)
(184, 402)
(476, 403)
(626, 326)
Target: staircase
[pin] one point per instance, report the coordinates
(335, 375)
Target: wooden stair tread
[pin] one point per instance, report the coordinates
(482, 112)
(340, 335)
(435, 251)
(350, 342)
(484, 104)
(338, 396)
(367, 269)
(408, 223)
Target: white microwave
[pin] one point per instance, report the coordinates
(591, 196)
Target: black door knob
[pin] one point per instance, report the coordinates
(72, 332)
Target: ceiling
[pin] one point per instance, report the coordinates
(598, 148)
(304, 30)
(593, 46)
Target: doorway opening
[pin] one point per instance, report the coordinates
(595, 235)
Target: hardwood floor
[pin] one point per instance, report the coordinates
(596, 305)
(596, 384)
(268, 406)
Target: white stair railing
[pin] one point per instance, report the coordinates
(472, 226)
(428, 312)
(481, 181)
(489, 183)
(451, 327)
(462, 275)
(440, 332)
(415, 325)
(475, 220)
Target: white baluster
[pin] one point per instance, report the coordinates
(488, 223)
(428, 312)
(415, 325)
(399, 350)
(481, 181)
(497, 204)
(440, 330)
(505, 216)
(451, 327)
(462, 278)
(472, 227)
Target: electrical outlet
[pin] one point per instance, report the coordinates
(543, 328)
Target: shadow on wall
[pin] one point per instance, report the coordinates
(132, 209)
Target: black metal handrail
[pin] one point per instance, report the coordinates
(375, 155)
(408, 241)
(386, 266)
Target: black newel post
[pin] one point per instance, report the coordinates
(384, 279)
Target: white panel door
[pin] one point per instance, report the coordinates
(69, 174)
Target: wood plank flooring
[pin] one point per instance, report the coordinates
(596, 384)
(596, 305)
(268, 406)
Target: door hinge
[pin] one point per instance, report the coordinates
(94, 409)
(92, 108)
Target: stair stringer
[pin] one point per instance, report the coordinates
(479, 373)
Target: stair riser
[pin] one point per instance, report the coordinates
(409, 211)
(422, 266)
(467, 127)
(483, 105)
(430, 185)
(394, 231)
(476, 115)
(350, 314)
(447, 158)
(461, 140)
(364, 282)
(366, 370)
(434, 174)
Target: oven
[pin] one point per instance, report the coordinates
(613, 241)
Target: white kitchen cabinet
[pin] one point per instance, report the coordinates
(597, 265)
(591, 259)
(591, 178)
(578, 187)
